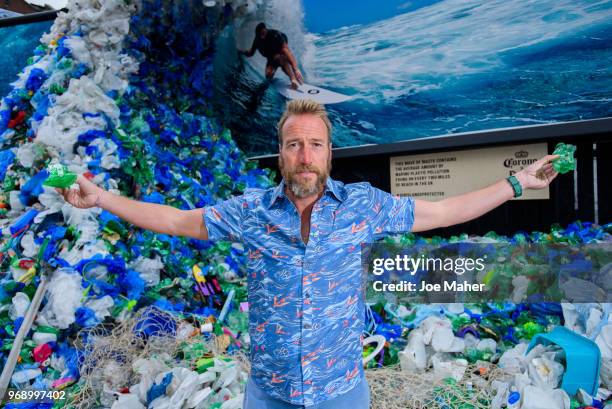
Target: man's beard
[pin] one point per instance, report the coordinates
(306, 187)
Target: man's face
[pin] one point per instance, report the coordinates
(305, 155)
(263, 33)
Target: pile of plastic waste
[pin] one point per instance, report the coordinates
(119, 91)
(532, 355)
(110, 96)
(488, 347)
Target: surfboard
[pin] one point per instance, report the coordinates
(307, 91)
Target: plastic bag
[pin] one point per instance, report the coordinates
(88, 229)
(24, 376)
(77, 253)
(537, 398)
(545, 372)
(513, 360)
(487, 344)
(447, 366)
(101, 306)
(414, 356)
(83, 219)
(64, 295)
(44, 337)
(128, 401)
(51, 200)
(184, 384)
(19, 307)
(15, 202)
(148, 269)
(66, 121)
(438, 333)
(30, 249)
(148, 369)
(28, 153)
(79, 50)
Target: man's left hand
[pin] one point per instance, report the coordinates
(539, 174)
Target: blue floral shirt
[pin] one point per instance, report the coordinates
(306, 301)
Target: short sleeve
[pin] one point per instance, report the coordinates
(392, 214)
(224, 220)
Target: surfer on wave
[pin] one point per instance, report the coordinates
(273, 45)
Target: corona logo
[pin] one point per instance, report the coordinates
(521, 154)
(511, 162)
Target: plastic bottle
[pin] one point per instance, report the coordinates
(566, 161)
(60, 176)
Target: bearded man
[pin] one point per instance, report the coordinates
(303, 237)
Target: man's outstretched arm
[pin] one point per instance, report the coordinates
(469, 206)
(149, 216)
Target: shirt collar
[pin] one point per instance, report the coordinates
(336, 189)
(332, 188)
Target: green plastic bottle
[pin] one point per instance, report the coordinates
(59, 176)
(566, 161)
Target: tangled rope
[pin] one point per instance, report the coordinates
(392, 388)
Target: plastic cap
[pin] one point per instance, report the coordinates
(514, 397)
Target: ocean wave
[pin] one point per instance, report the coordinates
(413, 51)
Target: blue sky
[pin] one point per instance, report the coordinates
(324, 15)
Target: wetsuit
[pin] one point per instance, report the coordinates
(271, 46)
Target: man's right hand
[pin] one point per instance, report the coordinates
(85, 196)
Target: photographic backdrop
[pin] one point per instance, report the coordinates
(423, 68)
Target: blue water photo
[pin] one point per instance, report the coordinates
(17, 44)
(423, 68)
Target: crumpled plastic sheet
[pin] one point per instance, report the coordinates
(66, 120)
(64, 295)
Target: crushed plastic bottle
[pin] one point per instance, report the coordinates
(566, 161)
(59, 176)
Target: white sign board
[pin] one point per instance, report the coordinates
(435, 176)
